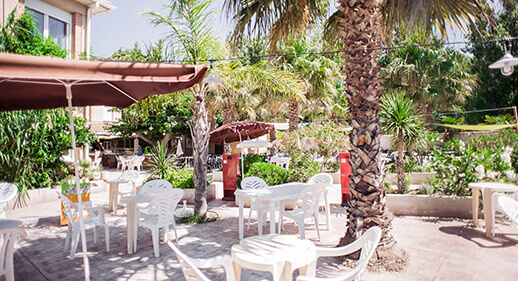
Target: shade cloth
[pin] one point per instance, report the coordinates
(29, 82)
(238, 131)
(479, 127)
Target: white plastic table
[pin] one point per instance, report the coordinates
(131, 217)
(273, 194)
(114, 193)
(487, 189)
(276, 253)
(6, 223)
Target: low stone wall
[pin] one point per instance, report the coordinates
(430, 205)
(415, 178)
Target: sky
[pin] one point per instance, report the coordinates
(126, 25)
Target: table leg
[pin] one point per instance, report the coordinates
(488, 211)
(115, 197)
(130, 226)
(241, 203)
(237, 270)
(272, 217)
(110, 201)
(474, 207)
(328, 211)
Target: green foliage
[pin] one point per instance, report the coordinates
(487, 157)
(31, 144)
(499, 119)
(21, 36)
(249, 159)
(211, 216)
(161, 164)
(182, 178)
(452, 120)
(493, 90)
(270, 173)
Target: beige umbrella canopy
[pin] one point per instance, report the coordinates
(29, 82)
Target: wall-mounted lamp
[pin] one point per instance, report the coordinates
(212, 79)
(507, 62)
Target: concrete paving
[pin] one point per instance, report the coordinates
(438, 248)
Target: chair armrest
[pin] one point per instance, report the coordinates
(338, 251)
(222, 260)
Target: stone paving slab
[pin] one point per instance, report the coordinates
(439, 248)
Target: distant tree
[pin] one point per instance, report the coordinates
(493, 89)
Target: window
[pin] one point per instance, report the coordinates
(51, 26)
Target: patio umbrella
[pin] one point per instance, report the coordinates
(251, 144)
(238, 131)
(28, 82)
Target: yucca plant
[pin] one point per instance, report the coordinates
(399, 118)
(161, 164)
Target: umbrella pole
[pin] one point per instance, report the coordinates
(242, 160)
(68, 87)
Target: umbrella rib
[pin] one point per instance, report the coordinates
(124, 93)
(33, 82)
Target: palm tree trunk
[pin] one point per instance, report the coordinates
(400, 163)
(200, 135)
(293, 118)
(273, 137)
(361, 27)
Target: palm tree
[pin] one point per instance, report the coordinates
(399, 118)
(360, 25)
(189, 22)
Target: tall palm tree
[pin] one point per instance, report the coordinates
(189, 23)
(399, 118)
(360, 25)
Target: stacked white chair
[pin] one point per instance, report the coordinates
(122, 162)
(367, 243)
(94, 220)
(135, 162)
(7, 240)
(306, 207)
(256, 205)
(326, 179)
(7, 192)
(190, 266)
(165, 203)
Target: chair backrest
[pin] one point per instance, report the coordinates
(309, 198)
(253, 183)
(165, 202)
(7, 241)
(7, 191)
(97, 162)
(155, 187)
(68, 205)
(368, 243)
(509, 207)
(325, 178)
(136, 160)
(190, 271)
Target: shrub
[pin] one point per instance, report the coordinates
(250, 159)
(270, 173)
(182, 179)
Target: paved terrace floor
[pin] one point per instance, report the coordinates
(438, 248)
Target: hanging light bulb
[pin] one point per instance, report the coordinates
(212, 79)
(506, 63)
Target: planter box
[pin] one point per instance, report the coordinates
(415, 178)
(430, 205)
(189, 194)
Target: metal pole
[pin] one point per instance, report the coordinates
(516, 118)
(68, 87)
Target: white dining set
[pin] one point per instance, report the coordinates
(130, 162)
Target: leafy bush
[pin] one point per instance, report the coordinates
(270, 173)
(249, 159)
(182, 179)
(161, 165)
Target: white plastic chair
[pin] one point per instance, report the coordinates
(307, 206)
(257, 205)
(127, 187)
(97, 163)
(165, 202)
(509, 207)
(122, 162)
(190, 266)
(367, 243)
(7, 240)
(155, 187)
(7, 192)
(136, 162)
(326, 179)
(94, 220)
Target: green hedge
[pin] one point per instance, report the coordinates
(271, 173)
(182, 179)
